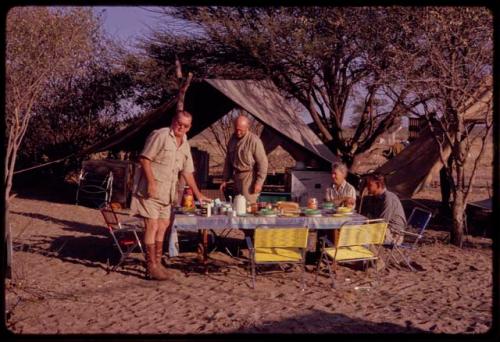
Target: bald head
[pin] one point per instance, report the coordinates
(241, 126)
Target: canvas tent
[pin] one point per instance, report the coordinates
(420, 161)
(211, 99)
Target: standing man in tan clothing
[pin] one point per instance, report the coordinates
(166, 154)
(246, 161)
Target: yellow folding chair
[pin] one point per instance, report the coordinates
(357, 241)
(278, 245)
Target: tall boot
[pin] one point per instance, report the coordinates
(158, 255)
(153, 272)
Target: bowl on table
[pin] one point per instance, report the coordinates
(342, 211)
(328, 205)
(312, 212)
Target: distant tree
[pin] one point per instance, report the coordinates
(451, 49)
(85, 110)
(315, 55)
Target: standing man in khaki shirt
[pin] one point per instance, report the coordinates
(246, 161)
(165, 155)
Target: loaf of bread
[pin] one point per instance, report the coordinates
(287, 205)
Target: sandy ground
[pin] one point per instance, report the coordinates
(60, 285)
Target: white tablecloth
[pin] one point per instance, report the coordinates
(221, 222)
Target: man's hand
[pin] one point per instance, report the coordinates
(203, 198)
(349, 202)
(152, 190)
(257, 188)
(223, 186)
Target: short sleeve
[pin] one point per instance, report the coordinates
(351, 192)
(152, 146)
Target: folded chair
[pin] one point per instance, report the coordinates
(357, 241)
(417, 222)
(278, 245)
(124, 235)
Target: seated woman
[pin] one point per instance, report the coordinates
(340, 192)
(382, 203)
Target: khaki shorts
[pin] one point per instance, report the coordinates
(150, 208)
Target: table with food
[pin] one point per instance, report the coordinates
(219, 215)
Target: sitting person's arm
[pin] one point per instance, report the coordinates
(350, 199)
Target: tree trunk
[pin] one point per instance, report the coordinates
(445, 183)
(7, 239)
(457, 230)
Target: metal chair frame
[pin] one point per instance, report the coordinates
(94, 188)
(253, 263)
(325, 258)
(116, 227)
(396, 251)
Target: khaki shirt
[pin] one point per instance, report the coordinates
(246, 154)
(167, 160)
(337, 194)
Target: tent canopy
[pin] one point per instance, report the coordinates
(211, 99)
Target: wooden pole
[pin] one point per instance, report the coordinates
(183, 84)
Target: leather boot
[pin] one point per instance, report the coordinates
(153, 272)
(158, 255)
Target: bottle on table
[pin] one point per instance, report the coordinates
(187, 198)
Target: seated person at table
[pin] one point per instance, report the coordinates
(382, 203)
(340, 192)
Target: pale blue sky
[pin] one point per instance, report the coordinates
(128, 23)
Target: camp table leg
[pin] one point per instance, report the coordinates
(203, 248)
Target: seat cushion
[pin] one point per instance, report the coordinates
(277, 254)
(350, 253)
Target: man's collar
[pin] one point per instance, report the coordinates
(184, 137)
(341, 184)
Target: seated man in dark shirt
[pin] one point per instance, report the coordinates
(382, 203)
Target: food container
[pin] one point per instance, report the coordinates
(312, 203)
(206, 210)
(254, 208)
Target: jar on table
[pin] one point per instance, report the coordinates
(312, 203)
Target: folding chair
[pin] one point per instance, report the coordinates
(278, 245)
(94, 188)
(124, 235)
(417, 222)
(357, 241)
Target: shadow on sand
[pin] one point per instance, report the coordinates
(321, 322)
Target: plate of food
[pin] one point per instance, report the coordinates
(312, 212)
(343, 211)
(267, 212)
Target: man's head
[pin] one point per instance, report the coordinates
(241, 126)
(181, 123)
(339, 173)
(375, 183)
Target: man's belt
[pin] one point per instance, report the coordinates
(242, 171)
